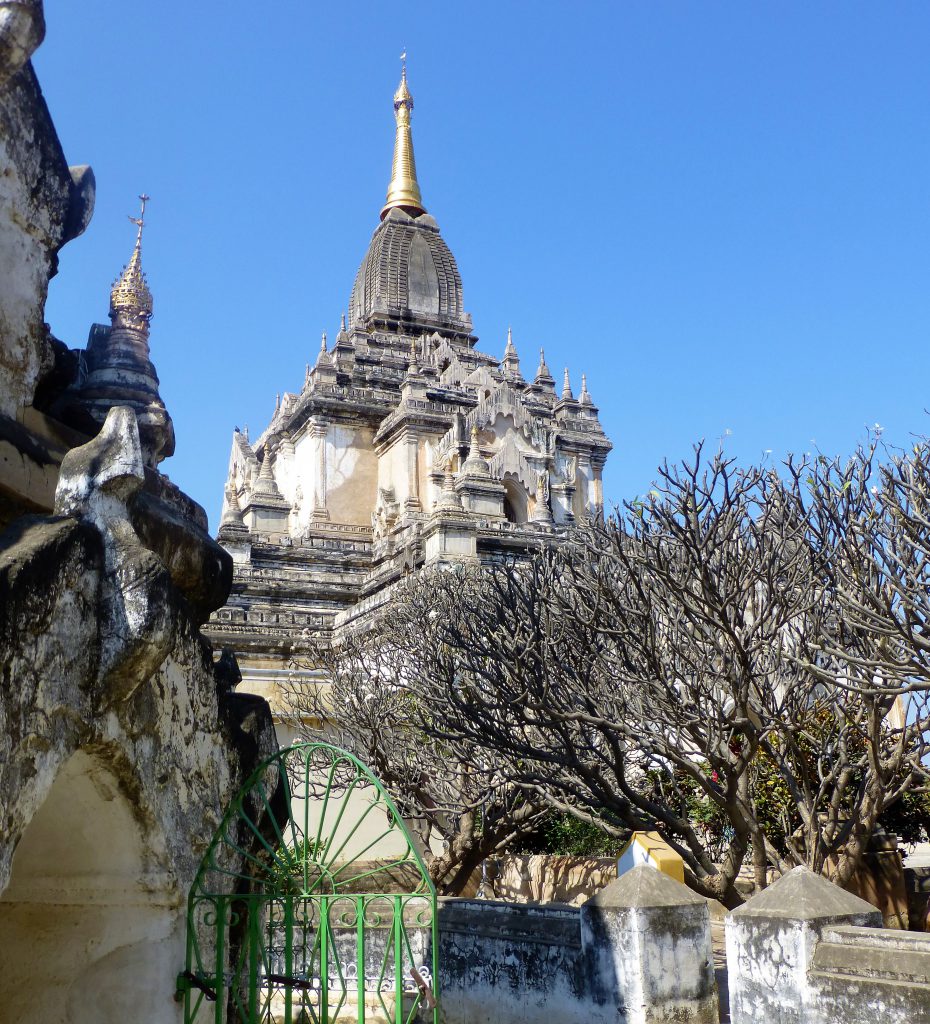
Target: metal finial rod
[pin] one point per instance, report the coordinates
(140, 220)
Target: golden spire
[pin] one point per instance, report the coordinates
(130, 297)
(404, 190)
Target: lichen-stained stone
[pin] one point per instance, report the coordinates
(22, 29)
(771, 940)
(649, 937)
(106, 687)
(42, 204)
(121, 742)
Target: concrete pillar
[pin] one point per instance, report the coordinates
(647, 940)
(771, 940)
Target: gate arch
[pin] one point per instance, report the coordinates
(286, 921)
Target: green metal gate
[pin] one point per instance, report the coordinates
(289, 923)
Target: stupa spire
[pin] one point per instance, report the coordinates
(404, 189)
(130, 297)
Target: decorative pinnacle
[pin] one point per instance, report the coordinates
(584, 397)
(413, 367)
(231, 524)
(567, 386)
(342, 323)
(266, 484)
(323, 343)
(404, 189)
(233, 498)
(449, 498)
(542, 371)
(130, 296)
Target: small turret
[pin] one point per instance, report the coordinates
(511, 361)
(543, 377)
(232, 527)
(585, 398)
(117, 367)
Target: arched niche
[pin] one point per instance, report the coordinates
(89, 932)
(516, 501)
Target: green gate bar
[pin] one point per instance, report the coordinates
(294, 839)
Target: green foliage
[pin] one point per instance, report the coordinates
(286, 868)
(569, 836)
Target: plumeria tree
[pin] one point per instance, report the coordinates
(460, 810)
(736, 661)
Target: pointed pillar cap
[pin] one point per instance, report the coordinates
(644, 886)
(803, 895)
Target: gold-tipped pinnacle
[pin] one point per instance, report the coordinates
(404, 189)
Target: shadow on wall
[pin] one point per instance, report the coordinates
(545, 878)
(640, 950)
(84, 915)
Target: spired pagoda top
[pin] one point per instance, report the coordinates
(404, 190)
(408, 271)
(405, 445)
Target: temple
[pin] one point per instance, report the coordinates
(406, 446)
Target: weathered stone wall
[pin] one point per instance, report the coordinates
(120, 740)
(547, 878)
(519, 964)
(805, 952)
(43, 204)
(638, 952)
(120, 745)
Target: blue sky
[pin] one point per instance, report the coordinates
(719, 211)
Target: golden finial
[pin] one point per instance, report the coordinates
(404, 190)
(130, 297)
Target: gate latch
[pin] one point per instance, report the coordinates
(186, 980)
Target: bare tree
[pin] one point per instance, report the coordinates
(736, 627)
(461, 811)
(864, 737)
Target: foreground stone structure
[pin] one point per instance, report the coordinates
(806, 952)
(406, 445)
(801, 952)
(638, 953)
(121, 739)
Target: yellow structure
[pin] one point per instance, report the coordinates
(650, 848)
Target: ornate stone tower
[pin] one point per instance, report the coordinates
(116, 368)
(406, 446)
